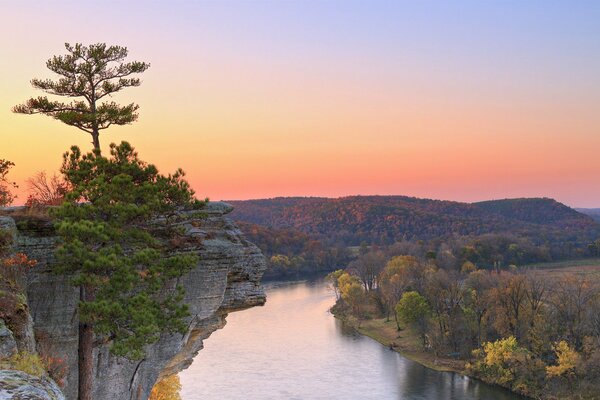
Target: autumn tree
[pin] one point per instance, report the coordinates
(351, 291)
(498, 361)
(445, 293)
(479, 299)
(6, 197)
(113, 227)
(367, 267)
(567, 360)
(572, 304)
(87, 74)
(333, 279)
(394, 280)
(46, 191)
(511, 297)
(536, 292)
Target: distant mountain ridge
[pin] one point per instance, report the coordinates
(386, 219)
(592, 212)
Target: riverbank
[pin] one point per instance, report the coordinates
(406, 342)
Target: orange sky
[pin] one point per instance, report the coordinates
(263, 99)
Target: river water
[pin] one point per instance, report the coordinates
(293, 348)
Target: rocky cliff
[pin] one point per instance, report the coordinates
(226, 279)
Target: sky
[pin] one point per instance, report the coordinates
(462, 100)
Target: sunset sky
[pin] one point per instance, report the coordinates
(450, 100)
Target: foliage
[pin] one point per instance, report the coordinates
(497, 360)
(57, 369)
(567, 357)
(367, 267)
(333, 279)
(166, 389)
(110, 246)
(6, 239)
(351, 291)
(316, 233)
(468, 267)
(412, 307)
(502, 323)
(13, 269)
(89, 74)
(386, 219)
(292, 253)
(6, 197)
(36, 365)
(30, 363)
(395, 279)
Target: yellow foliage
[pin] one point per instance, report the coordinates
(468, 267)
(500, 352)
(30, 363)
(567, 360)
(345, 280)
(497, 360)
(351, 290)
(166, 389)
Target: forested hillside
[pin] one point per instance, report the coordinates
(592, 212)
(504, 231)
(387, 219)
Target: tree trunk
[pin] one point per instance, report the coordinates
(96, 140)
(95, 130)
(85, 351)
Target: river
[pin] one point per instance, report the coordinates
(293, 348)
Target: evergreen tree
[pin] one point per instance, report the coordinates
(88, 74)
(113, 227)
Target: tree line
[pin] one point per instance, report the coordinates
(533, 332)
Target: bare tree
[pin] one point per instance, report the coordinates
(46, 191)
(368, 267)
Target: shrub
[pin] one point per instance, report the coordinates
(14, 268)
(57, 368)
(30, 363)
(166, 389)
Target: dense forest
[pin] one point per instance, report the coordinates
(304, 234)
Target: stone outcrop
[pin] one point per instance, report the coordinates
(8, 345)
(226, 279)
(19, 385)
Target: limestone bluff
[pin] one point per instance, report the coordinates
(226, 279)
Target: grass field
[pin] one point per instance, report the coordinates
(588, 267)
(587, 262)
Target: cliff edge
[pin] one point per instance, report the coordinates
(226, 279)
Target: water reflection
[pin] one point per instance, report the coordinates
(292, 348)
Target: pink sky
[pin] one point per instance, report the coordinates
(261, 99)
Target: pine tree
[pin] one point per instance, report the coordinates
(87, 74)
(113, 227)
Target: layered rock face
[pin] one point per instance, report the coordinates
(19, 385)
(226, 279)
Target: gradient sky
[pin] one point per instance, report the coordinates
(452, 100)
